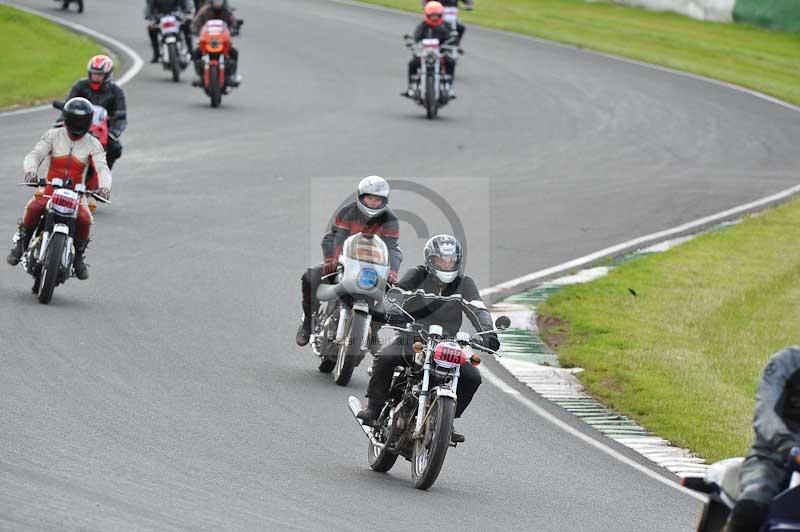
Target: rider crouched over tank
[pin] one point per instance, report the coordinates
(441, 275)
(777, 427)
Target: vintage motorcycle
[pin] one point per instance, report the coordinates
(175, 52)
(51, 250)
(215, 45)
(721, 484)
(417, 420)
(341, 326)
(431, 82)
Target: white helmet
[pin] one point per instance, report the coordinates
(374, 186)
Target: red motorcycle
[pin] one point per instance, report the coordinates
(215, 47)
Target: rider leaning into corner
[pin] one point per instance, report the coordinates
(99, 89)
(777, 427)
(70, 150)
(370, 213)
(159, 8)
(432, 27)
(217, 10)
(440, 275)
(460, 29)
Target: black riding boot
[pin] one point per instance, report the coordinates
(304, 331)
(22, 239)
(80, 267)
(371, 412)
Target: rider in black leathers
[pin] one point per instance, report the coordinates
(777, 427)
(217, 10)
(440, 275)
(432, 28)
(108, 95)
(460, 29)
(158, 8)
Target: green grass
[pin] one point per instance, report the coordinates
(40, 60)
(752, 57)
(684, 356)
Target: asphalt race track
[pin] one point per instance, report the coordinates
(166, 392)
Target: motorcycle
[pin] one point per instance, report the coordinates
(417, 420)
(175, 52)
(215, 45)
(100, 131)
(65, 4)
(341, 326)
(721, 484)
(51, 251)
(431, 84)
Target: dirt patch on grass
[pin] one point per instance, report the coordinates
(552, 330)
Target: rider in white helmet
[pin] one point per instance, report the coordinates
(369, 213)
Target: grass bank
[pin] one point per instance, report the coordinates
(683, 356)
(752, 57)
(40, 60)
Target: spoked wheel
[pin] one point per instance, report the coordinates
(431, 449)
(380, 459)
(51, 267)
(350, 350)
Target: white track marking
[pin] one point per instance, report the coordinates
(613, 453)
(136, 66)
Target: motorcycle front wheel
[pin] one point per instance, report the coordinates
(430, 97)
(350, 351)
(52, 267)
(174, 62)
(214, 89)
(431, 449)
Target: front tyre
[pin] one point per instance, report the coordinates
(174, 61)
(51, 267)
(430, 97)
(431, 449)
(214, 89)
(350, 350)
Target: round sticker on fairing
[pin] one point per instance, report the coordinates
(367, 278)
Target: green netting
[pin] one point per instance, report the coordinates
(774, 14)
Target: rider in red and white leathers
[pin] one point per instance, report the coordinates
(70, 151)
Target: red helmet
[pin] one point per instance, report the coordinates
(100, 67)
(434, 13)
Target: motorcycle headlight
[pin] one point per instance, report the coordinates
(367, 278)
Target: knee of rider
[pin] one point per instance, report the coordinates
(747, 515)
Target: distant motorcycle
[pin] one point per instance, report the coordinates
(51, 251)
(417, 420)
(721, 484)
(215, 47)
(430, 90)
(100, 131)
(175, 53)
(341, 325)
(65, 4)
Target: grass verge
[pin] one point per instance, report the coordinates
(40, 60)
(684, 355)
(760, 59)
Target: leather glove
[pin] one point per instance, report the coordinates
(392, 279)
(786, 445)
(329, 266)
(31, 177)
(488, 341)
(104, 192)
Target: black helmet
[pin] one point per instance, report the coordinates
(78, 113)
(443, 257)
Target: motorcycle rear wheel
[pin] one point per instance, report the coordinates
(350, 351)
(52, 267)
(431, 449)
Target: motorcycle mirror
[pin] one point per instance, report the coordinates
(502, 323)
(58, 104)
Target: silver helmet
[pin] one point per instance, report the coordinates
(374, 186)
(443, 257)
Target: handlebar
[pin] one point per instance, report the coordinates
(41, 183)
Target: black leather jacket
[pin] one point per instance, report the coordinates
(441, 32)
(109, 96)
(163, 7)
